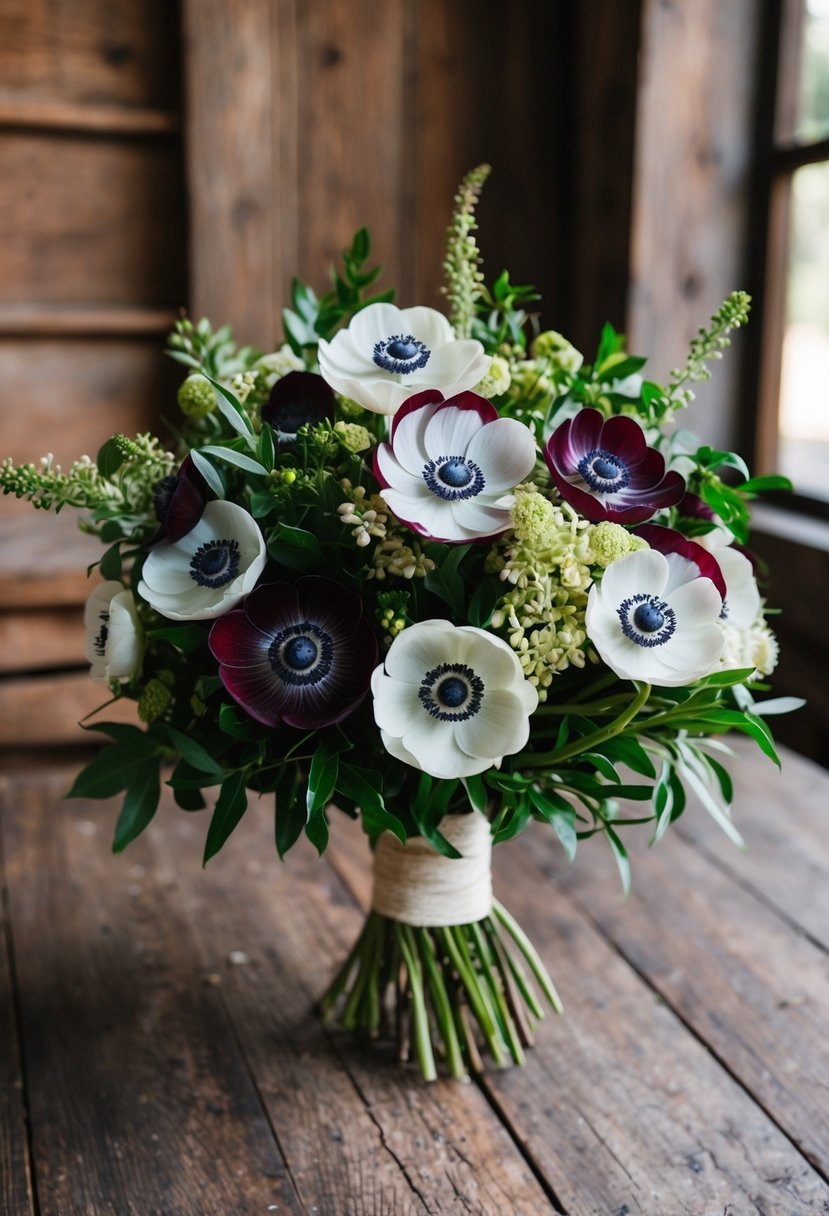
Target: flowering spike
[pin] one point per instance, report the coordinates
(463, 278)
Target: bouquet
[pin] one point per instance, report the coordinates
(442, 574)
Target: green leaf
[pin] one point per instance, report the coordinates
(483, 601)
(357, 785)
(209, 472)
(230, 807)
(290, 816)
(233, 722)
(262, 505)
(322, 779)
(238, 459)
(627, 750)
(231, 409)
(110, 564)
(561, 814)
(140, 804)
(445, 581)
(265, 449)
(189, 799)
(115, 768)
(476, 792)
(621, 857)
(109, 458)
(296, 548)
(184, 637)
(763, 485)
(514, 821)
(193, 752)
(316, 829)
(360, 246)
(601, 764)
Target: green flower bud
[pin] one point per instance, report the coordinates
(154, 700)
(196, 397)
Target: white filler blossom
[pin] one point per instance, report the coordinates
(388, 353)
(647, 624)
(209, 570)
(451, 700)
(114, 637)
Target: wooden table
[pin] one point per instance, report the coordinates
(159, 1053)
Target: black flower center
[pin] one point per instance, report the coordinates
(215, 563)
(451, 692)
(301, 654)
(453, 478)
(163, 496)
(604, 472)
(646, 620)
(401, 354)
(100, 643)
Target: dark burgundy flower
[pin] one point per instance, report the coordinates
(683, 553)
(606, 470)
(179, 501)
(298, 399)
(301, 654)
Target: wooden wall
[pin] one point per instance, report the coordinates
(92, 270)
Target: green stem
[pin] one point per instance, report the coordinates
(498, 995)
(527, 993)
(530, 954)
(340, 981)
(420, 1016)
(604, 681)
(451, 944)
(350, 1015)
(587, 742)
(605, 705)
(441, 1004)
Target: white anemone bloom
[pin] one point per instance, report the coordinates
(748, 640)
(650, 621)
(114, 636)
(451, 700)
(449, 465)
(388, 353)
(209, 570)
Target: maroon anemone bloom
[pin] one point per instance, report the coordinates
(606, 470)
(299, 653)
(298, 399)
(683, 553)
(179, 501)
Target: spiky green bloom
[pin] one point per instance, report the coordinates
(497, 379)
(196, 397)
(608, 542)
(533, 518)
(554, 349)
(154, 700)
(353, 437)
(463, 278)
(706, 347)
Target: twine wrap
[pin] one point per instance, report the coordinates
(418, 886)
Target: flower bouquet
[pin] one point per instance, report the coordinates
(443, 575)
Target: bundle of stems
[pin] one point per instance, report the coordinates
(449, 992)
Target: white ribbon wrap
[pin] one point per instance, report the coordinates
(418, 886)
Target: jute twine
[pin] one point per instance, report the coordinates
(418, 886)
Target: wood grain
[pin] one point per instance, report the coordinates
(140, 1098)
(44, 560)
(15, 1189)
(40, 638)
(46, 709)
(90, 51)
(94, 221)
(360, 1135)
(619, 1108)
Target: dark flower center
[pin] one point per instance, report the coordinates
(453, 478)
(400, 354)
(290, 417)
(646, 620)
(451, 692)
(724, 611)
(301, 654)
(99, 645)
(604, 472)
(163, 496)
(216, 563)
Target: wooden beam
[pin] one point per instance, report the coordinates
(89, 119)
(41, 321)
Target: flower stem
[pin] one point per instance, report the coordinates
(420, 1017)
(530, 954)
(587, 742)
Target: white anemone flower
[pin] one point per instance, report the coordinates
(451, 700)
(450, 464)
(650, 621)
(748, 640)
(114, 636)
(388, 353)
(209, 570)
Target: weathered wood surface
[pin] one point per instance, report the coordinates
(172, 1063)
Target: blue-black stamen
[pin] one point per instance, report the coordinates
(646, 620)
(215, 563)
(451, 692)
(401, 354)
(301, 654)
(99, 645)
(453, 478)
(604, 472)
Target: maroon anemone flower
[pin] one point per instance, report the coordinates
(301, 654)
(298, 399)
(179, 501)
(682, 553)
(606, 470)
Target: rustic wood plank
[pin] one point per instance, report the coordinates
(77, 392)
(45, 710)
(90, 221)
(44, 559)
(140, 1099)
(40, 638)
(693, 147)
(229, 165)
(35, 321)
(90, 51)
(360, 1135)
(97, 120)
(783, 819)
(621, 1110)
(15, 1181)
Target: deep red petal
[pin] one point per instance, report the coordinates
(234, 640)
(429, 396)
(625, 438)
